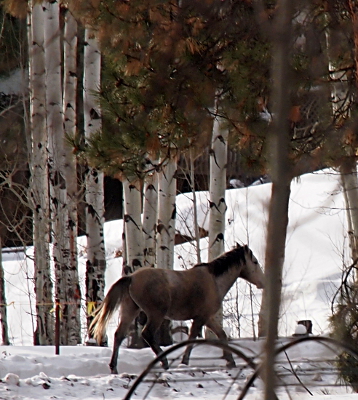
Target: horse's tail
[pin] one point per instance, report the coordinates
(110, 303)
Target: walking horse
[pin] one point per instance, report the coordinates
(196, 293)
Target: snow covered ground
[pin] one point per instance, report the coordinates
(317, 248)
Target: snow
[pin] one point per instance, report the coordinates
(317, 249)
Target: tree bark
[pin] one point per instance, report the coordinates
(70, 171)
(66, 279)
(96, 261)
(39, 189)
(166, 214)
(150, 214)
(195, 206)
(217, 203)
(167, 186)
(281, 180)
(133, 224)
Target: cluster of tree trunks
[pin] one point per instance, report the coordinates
(54, 186)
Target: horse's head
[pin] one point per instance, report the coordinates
(252, 270)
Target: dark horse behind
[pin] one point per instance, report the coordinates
(196, 294)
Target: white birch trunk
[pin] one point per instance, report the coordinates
(167, 186)
(58, 189)
(96, 262)
(133, 225)
(39, 177)
(150, 215)
(195, 209)
(217, 187)
(70, 171)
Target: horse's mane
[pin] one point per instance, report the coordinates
(224, 262)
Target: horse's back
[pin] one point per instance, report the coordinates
(179, 295)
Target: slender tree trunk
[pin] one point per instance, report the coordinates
(195, 209)
(166, 214)
(150, 214)
(167, 186)
(70, 171)
(134, 246)
(217, 187)
(3, 311)
(96, 262)
(64, 284)
(281, 180)
(133, 224)
(350, 188)
(39, 190)
(218, 165)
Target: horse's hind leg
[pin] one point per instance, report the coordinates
(148, 334)
(194, 332)
(129, 310)
(220, 333)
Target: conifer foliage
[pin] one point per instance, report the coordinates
(164, 62)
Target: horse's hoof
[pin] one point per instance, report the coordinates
(165, 365)
(114, 370)
(185, 361)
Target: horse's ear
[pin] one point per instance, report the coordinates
(237, 245)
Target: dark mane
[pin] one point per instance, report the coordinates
(226, 261)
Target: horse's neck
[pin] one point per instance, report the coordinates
(225, 281)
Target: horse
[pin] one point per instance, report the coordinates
(195, 293)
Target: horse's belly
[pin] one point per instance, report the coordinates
(190, 307)
(180, 315)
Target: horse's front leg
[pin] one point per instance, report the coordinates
(194, 332)
(220, 333)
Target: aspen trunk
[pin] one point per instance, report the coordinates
(96, 262)
(70, 173)
(166, 214)
(39, 190)
(195, 206)
(134, 246)
(150, 214)
(166, 230)
(217, 187)
(64, 284)
(133, 224)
